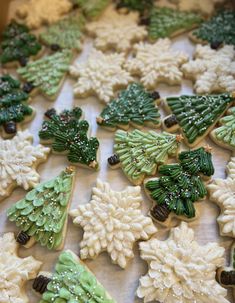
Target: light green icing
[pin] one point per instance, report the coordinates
(66, 33)
(92, 8)
(226, 132)
(48, 72)
(43, 212)
(141, 152)
(72, 282)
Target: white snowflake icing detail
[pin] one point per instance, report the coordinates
(14, 271)
(100, 75)
(222, 192)
(212, 70)
(206, 7)
(157, 63)
(180, 270)
(18, 161)
(112, 222)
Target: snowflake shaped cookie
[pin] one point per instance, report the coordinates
(206, 7)
(18, 162)
(157, 63)
(180, 270)
(39, 12)
(112, 222)
(116, 30)
(15, 271)
(212, 70)
(100, 75)
(222, 192)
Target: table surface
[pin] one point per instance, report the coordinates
(121, 284)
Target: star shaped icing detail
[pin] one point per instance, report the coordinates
(112, 222)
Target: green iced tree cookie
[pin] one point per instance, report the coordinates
(47, 73)
(13, 105)
(133, 106)
(180, 184)
(92, 8)
(138, 5)
(43, 213)
(196, 115)
(18, 44)
(140, 153)
(68, 134)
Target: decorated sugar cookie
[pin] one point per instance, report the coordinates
(117, 31)
(72, 281)
(39, 12)
(180, 186)
(112, 222)
(100, 75)
(47, 74)
(157, 63)
(92, 9)
(14, 108)
(222, 192)
(180, 270)
(196, 115)
(18, 162)
(140, 153)
(18, 45)
(134, 106)
(67, 134)
(15, 271)
(212, 70)
(42, 214)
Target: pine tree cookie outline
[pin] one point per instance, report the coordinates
(115, 114)
(186, 189)
(115, 225)
(68, 141)
(15, 271)
(19, 160)
(43, 214)
(39, 73)
(138, 153)
(92, 9)
(195, 128)
(188, 274)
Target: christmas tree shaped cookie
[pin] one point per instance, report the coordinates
(65, 33)
(224, 135)
(47, 73)
(180, 185)
(133, 106)
(14, 108)
(140, 153)
(18, 44)
(196, 115)
(67, 134)
(42, 214)
(72, 281)
(92, 8)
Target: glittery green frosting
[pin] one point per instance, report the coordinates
(72, 282)
(132, 105)
(164, 22)
(48, 72)
(66, 32)
(43, 212)
(181, 184)
(196, 114)
(141, 152)
(92, 8)
(18, 43)
(68, 134)
(220, 28)
(139, 5)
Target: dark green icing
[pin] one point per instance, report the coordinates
(181, 184)
(139, 5)
(196, 114)
(132, 105)
(17, 43)
(66, 33)
(220, 28)
(43, 212)
(164, 22)
(92, 8)
(69, 134)
(72, 282)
